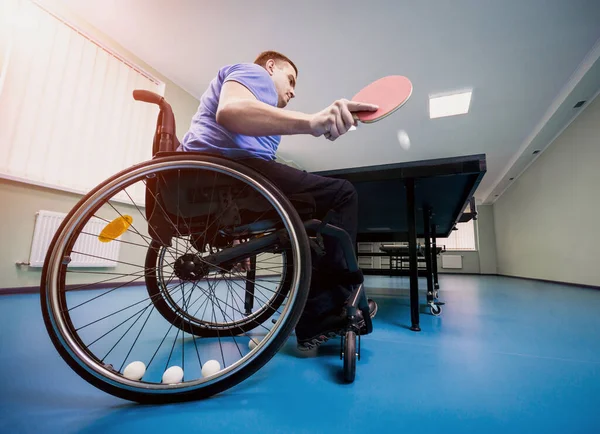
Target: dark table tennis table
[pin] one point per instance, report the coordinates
(399, 254)
(417, 199)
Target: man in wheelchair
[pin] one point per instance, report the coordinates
(241, 117)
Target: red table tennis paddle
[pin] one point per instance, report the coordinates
(388, 93)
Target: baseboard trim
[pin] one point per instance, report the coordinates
(460, 273)
(36, 289)
(20, 290)
(85, 287)
(78, 287)
(556, 282)
(392, 273)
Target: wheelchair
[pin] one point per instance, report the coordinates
(225, 279)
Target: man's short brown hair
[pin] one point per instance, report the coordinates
(266, 55)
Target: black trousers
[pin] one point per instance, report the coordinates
(339, 195)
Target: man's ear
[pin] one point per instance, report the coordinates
(270, 66)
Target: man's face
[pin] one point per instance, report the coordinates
(284, 77)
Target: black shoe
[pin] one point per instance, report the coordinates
(317, 332)
(361, 321)
(372, 308)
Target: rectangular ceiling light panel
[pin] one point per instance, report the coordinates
(449, 105)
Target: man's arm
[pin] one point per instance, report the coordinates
(240, 112)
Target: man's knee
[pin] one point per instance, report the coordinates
(348, 194)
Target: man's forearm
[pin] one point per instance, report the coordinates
(255, 118)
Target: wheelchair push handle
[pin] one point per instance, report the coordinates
(147, 96)
(165, 138)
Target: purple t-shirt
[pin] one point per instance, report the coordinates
(206, 135)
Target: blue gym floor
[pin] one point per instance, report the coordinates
(506, 356)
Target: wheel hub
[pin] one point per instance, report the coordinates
(189, 267)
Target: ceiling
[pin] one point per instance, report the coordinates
(527, 61)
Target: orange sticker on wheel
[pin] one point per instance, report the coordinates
(115, 229)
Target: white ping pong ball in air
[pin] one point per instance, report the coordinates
(134, 371)
(403, 140)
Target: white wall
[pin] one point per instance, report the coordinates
(20, 202)
(548, 223)
(486, 240)
(482, 260)
(470, 262)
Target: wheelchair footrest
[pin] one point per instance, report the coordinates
(358, 302)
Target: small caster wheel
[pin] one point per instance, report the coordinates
(350, 356)
(435, 309)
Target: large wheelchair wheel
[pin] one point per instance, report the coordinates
(169, 300)
(195, 320)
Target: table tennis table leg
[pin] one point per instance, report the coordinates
(434, 305)
(436, 285)
(428, 265)
(412, 254)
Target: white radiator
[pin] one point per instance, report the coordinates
(94, 253)
(365, 247)
(452, 261)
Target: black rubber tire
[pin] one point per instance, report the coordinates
(148, 396)
(350, 356)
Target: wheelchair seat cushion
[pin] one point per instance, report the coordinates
(304, 203)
